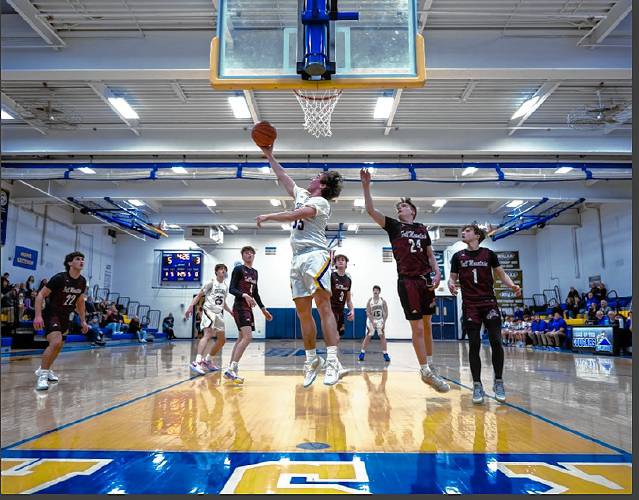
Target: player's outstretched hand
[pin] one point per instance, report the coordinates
(260, 219)
(38, 323)
(84, 327)
(267, 314)
(517, 290)
(351, 315)
(452, 287)
(365, 176)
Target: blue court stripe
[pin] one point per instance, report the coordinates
(97, 414)
(551, 422)
(37, 352)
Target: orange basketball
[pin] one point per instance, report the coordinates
(264, 134)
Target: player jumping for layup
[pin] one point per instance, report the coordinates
(474, 268)
(341, 293)
(415, 260)
(212, 324)
(65, 292)
(310, 276)
(244, 288)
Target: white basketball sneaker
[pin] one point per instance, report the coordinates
(312, 368)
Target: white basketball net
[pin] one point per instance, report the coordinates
(318, 108)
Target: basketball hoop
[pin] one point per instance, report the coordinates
(318, 108)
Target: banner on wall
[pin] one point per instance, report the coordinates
(509, 261)
(5, 213)
(26, 258)
(439, 256)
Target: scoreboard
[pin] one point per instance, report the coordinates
(181, 266)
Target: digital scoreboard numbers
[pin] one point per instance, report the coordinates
(181, 266)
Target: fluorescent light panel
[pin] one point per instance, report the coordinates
(439, 203)
(469, 171)
(136, 203)
(232, 227)
(239, 106)
(209, 202)
(383, 108)
(265, 170)
(527, 107)
(179, 170)
(123, 108)
(7, 116)
(86, 170)
(286, 227)
(515, 203)
(359, 202)
(352, 227)
(563, 170)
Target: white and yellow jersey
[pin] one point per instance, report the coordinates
(309, 234)
(214, 296)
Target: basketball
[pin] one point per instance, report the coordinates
(264, 134)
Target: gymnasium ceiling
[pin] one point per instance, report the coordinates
(484, 59)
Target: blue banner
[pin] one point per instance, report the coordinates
(5, 213)
(25, 257)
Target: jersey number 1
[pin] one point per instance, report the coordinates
(475, 276)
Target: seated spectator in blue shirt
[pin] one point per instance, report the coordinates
(602, 319)
(540, 328)
(534, 325)
(591, 299)
(557, 331)
(519, 313)
(603, 305)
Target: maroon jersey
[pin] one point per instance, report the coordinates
(410, 243)
(244, 280)
(340, 286)
(65, 292)
(475, 270)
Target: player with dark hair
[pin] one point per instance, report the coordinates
(310, 276)
(341, 292)
(212, 323)
(376, 316)
(474, 267)
(417, 276)
(244, 288)
(65, 292)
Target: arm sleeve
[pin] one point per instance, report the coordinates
(494, 260)
(256, 296)
(454, 264)
(236, 276)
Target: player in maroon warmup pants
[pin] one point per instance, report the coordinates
(474, 267)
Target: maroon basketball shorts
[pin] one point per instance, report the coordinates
(244, 317)
(416, 298)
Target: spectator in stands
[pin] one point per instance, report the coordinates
(136, 328)
(95, 335)
(602, 291)
(534, 328)
(167, 326)
(506, 328)
(591, 299)
(113, 321)
(591, 313)
(519, 313)
(42, 284)
(602, 319)
(527, 311)
(6, 286)
(572, 308)
(28, 311)
(30, 283)
(604, 306)
(573, 293)
(525, 330)
(621, 335)
(557, 331)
